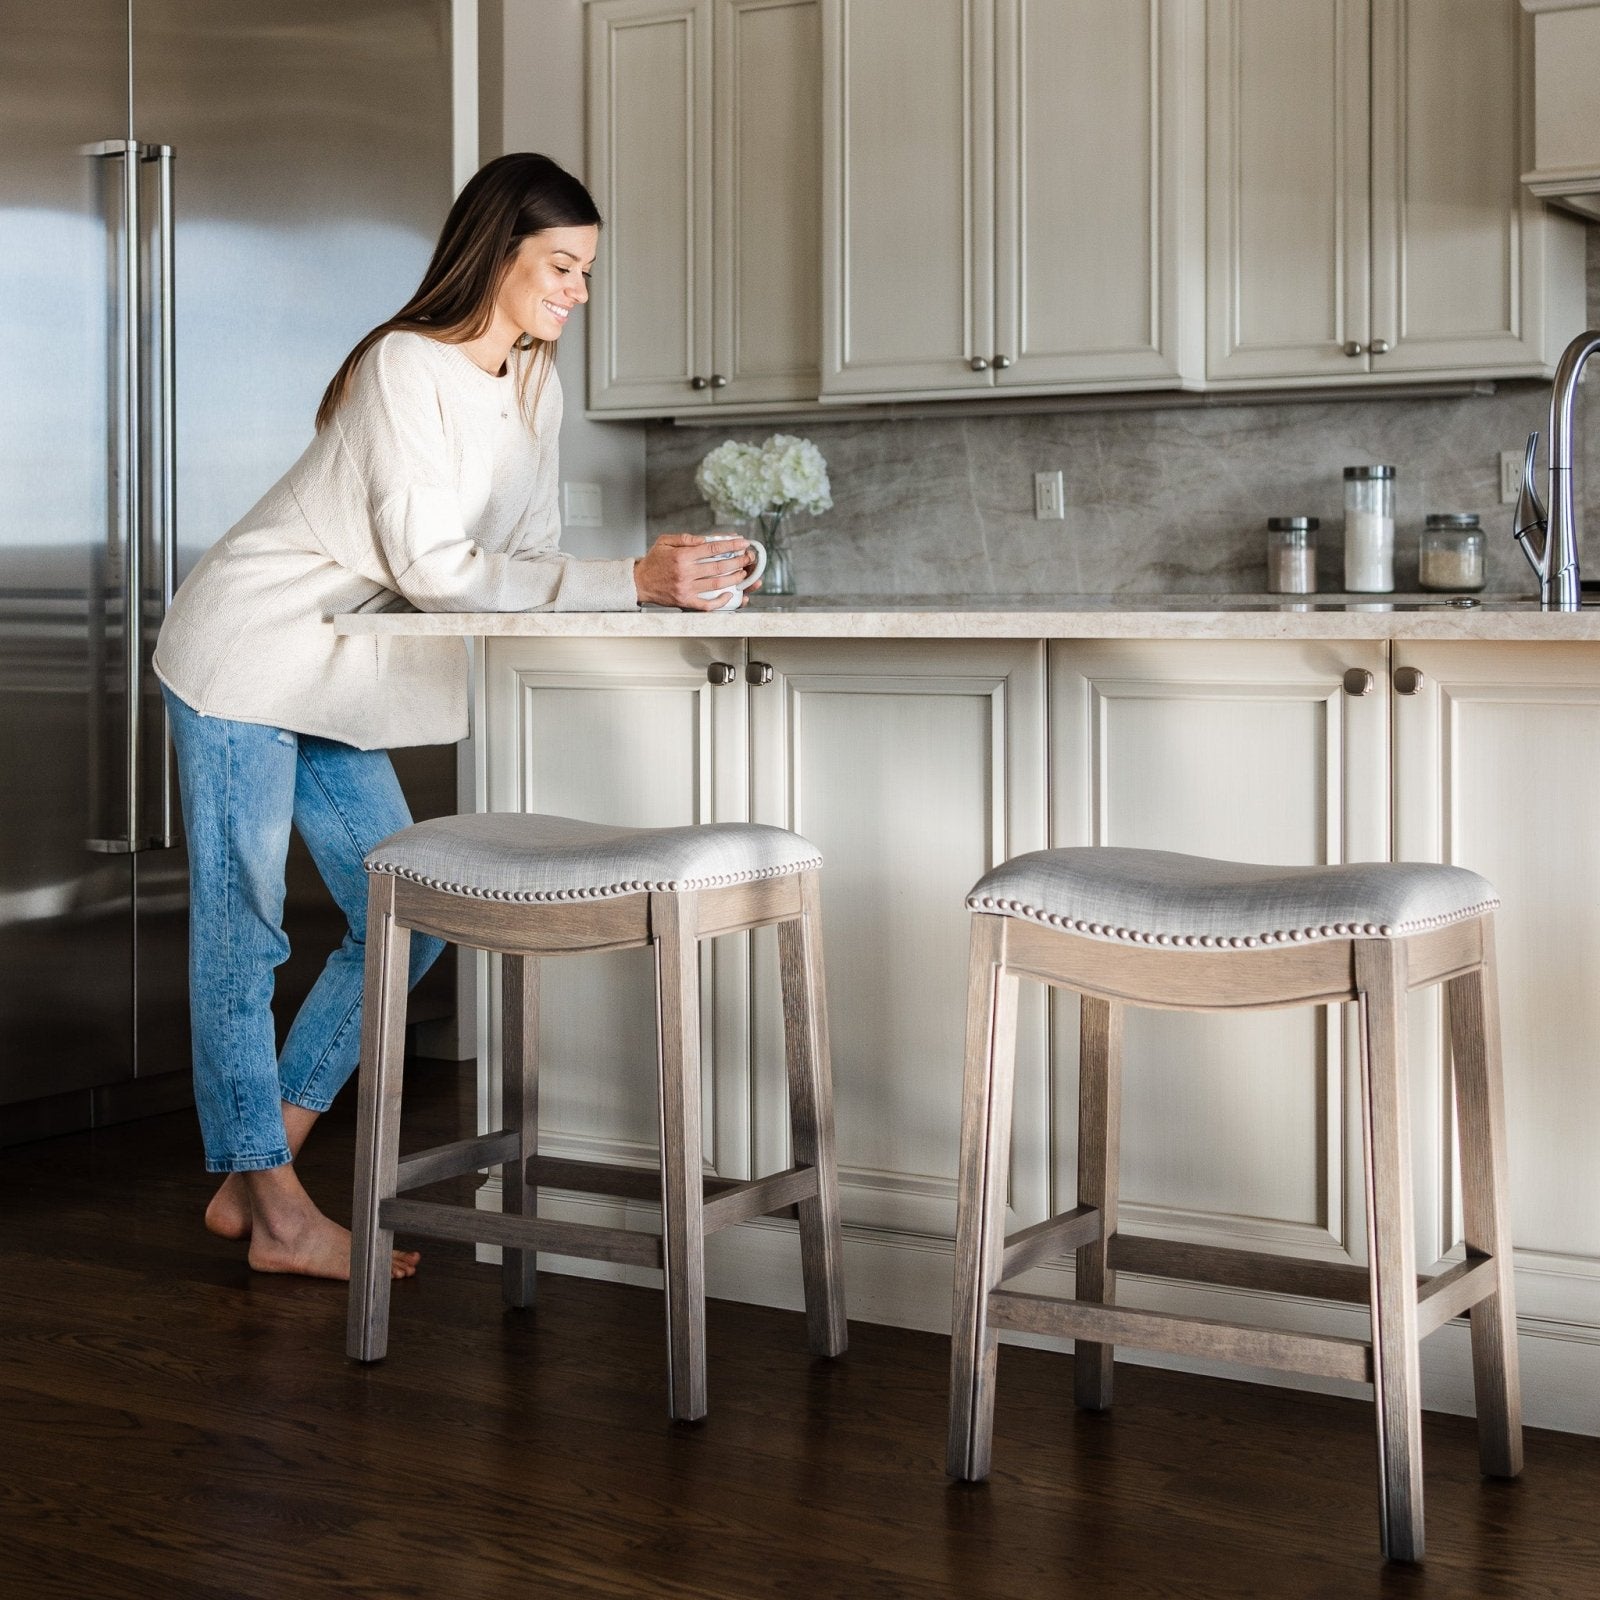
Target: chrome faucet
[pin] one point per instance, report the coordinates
(1556, 561)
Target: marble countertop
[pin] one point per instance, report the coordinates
(1234, 616)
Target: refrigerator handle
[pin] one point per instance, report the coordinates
(129, 501)
(167, 515)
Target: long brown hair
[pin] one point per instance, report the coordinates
(505, 202)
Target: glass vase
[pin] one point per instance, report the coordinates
(777, 581)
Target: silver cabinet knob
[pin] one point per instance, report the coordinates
(718, 381)
(1354, 347)
(720, 673)
(758, 673)
(978, 364)
(1358, 681)
(1001, 363)
(1407, 680)
(697, 383)
(1379, 347)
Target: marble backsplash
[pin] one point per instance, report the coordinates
(1160, 501)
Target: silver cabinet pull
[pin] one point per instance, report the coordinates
(697, 382)
(1000, 363)
(1407, 680)
(1379, 347)
(718, 381)
(1354, 347)
(720, 673)
(167, 392)
(978, 364)
(758, 673)
(1358, 681)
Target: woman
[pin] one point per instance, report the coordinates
(431, 482)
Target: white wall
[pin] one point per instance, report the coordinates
(531, 98)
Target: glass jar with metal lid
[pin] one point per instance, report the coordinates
(1291, 555)
(1450, 553)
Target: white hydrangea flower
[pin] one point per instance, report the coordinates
(740, 481)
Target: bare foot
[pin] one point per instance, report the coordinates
(228, 1215)
(316, 1247)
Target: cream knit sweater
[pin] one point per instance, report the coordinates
(425, 491)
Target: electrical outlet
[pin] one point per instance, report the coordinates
(1049, 495)
(581, 505)
(1510, 476)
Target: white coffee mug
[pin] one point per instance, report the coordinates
(734, 591)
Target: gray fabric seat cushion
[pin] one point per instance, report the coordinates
(1192, 902)
(514, 856)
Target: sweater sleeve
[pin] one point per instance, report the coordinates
(396, 436)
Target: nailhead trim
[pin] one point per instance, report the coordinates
(1250, 941)
(609, 891)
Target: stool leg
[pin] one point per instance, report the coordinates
(981, 1196)
(383, 1048)
(673, 920)
(1380, 982)
(1099, 1145)
(805, 1035)
(519, 1110)
(1474, 1006)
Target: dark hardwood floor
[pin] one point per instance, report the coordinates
(173, 1426)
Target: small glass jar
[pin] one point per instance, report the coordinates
(1369, 530)
(1450, 554)
(1292, 555)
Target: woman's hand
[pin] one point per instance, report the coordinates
(675, 571)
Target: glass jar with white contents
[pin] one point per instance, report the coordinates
(1291, 555)
(1369, 529)
(1450, 554)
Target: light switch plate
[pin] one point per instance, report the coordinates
(581, 505)
(1049, 495)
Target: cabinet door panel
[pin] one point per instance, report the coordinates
(627, 732)
(1451, 221)
(768, 212)
(1236, 1129)
(650, 171)
(1092, 103)
(908, 164)
(914, 768)
(1497, 767)
(1287, 196)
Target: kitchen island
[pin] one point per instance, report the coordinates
(920, 742)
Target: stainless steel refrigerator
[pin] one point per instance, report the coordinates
(203, 204)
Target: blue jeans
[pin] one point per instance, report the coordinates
(242, 785)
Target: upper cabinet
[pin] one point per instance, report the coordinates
(1366, 218)
(1012, 195)
(1566, 104)
(704, 122)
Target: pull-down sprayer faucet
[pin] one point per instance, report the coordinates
(1556, 561)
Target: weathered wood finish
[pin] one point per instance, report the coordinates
(1380, 967)
(519, 1113)
(981, 1196)
(1375, 973)
(810, 1074)
(1099, 1145)
(1473, 1000)
(383, 1048)
(692, 1203)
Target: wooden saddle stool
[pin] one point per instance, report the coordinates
(1148, 928)
(529, 887)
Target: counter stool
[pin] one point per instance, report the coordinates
(1149, 928)
(529, 887)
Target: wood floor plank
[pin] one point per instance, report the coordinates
(175, 1426)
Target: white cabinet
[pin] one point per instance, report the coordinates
(1566, 105)
(1497, 768)
(1240, 1130)
(1366, 220)
(704, 148)
(1012, 195)
(914, 767)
